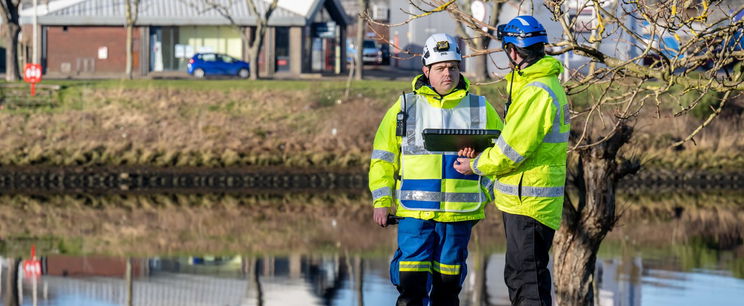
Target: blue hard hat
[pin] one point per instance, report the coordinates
(522, 31)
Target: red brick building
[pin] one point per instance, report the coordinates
(87, 38)
(89, 50)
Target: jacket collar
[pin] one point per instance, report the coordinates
(421, 86)
(545, 67)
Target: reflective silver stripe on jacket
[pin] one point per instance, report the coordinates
(409, 142)
(477, 104)
(529, 191)
(381, 192)
(555, 135)
(488, 184)
(433, 196)
(415, 150)
(475, 165)
(508, 150)
(383, 155)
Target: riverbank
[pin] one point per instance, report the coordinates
(220, 124)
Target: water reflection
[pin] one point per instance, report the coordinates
(336, 279)
(323, 250)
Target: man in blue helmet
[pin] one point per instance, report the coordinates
(528, 160)
(436, 205)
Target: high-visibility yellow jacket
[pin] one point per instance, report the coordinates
(424, 184)
(529, 158)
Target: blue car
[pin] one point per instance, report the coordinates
(204, 64)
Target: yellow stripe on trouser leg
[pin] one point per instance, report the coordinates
(446, 269)
(414, 266)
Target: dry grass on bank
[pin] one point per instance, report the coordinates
(287, 123)
(184, 127)
(719, 146)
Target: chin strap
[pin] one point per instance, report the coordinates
(511, 83)
(509, 98)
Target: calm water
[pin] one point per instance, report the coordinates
(675, 251)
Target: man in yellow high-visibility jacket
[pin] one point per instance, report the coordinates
(438, 206)
(528, 160)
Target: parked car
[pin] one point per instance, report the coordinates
(204, 64)
(371, 53)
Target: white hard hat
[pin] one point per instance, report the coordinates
(441, 47)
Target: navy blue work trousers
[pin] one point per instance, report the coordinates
(429, 265)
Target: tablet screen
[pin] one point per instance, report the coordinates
(455, 139)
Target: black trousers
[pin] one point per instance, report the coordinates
(526, 270)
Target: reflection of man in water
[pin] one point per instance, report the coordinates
(438, 206)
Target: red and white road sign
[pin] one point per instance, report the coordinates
(32, 75)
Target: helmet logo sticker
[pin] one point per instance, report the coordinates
(443, 45)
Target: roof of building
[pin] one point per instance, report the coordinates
(181, 12)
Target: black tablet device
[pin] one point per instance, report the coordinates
(456, 139)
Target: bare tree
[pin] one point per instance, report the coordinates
(12, 29)
(131, 14)
(262, 22)
(476, 41)
(642, 78)
(629, 88)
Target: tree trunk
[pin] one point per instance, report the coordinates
(130, 29)
(253, 64)
(11, 52)
(11, 282)
(584, 227)
(479, 267)
(262, 22)
(358, 57)
(130, 15)
(480, 72)
(258, 38)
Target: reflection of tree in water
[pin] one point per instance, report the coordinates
(326, 277)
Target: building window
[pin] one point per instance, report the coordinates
(282, 49)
